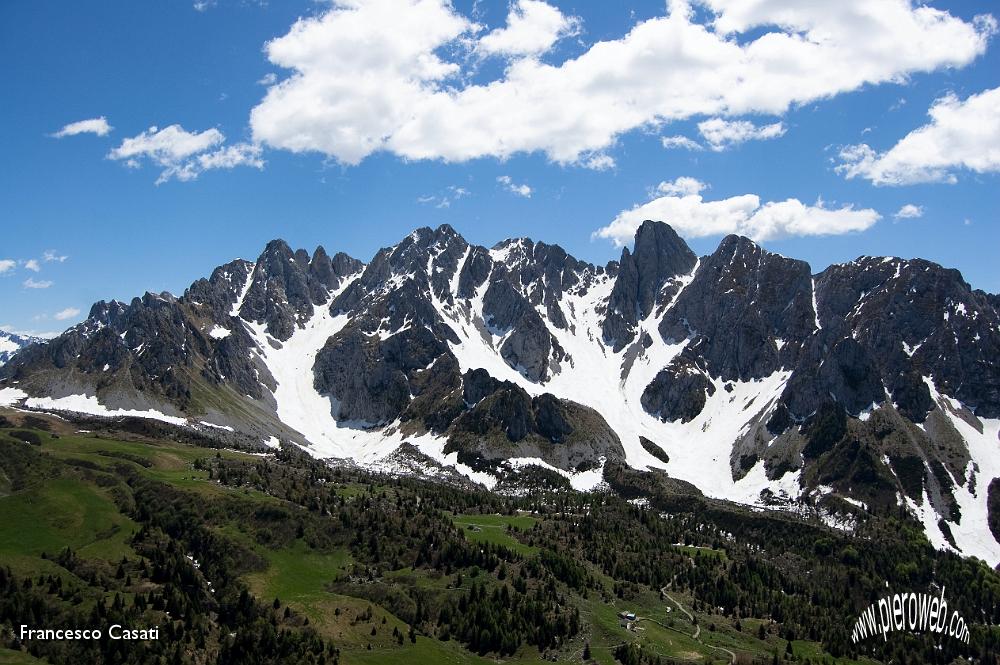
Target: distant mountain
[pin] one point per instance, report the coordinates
(871, 386)
(11, 343)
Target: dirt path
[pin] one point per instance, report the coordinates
(696, 635)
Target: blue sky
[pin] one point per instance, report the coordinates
(463, 135)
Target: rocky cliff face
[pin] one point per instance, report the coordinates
(741, 372)
(648, 277)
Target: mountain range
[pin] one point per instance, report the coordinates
(11, 343)
(871, 386)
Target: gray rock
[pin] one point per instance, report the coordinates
(659, 255)
(741, 301)
(678, 392)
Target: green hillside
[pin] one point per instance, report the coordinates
(243, 558)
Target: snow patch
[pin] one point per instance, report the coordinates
(971, 535)
(235, 311)
(11, 396)
(214, 426)
(88, 404)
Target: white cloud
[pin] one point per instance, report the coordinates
(512, 187)
(961, 135)
(363, 70)
(32, 265)
(599, 162)
(168, 145)
(51, 255)
(6, 265)
(389, 75)
(684, 208)
(682, 186)
(793, 218)
(240, 154)
(451, 194)
(97, 126)
(722, 134)
(532, 29)
(37, 284)
(670, 142)
(185, 155)
(268, 79)
(67, 313)
(909, 211)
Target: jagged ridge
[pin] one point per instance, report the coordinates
(873, 379)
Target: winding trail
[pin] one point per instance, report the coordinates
(696, 635)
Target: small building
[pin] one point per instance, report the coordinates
(626, 619)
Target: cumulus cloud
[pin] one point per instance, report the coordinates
(533, 27)
(721, 134)
(388, 75)
(37, 284)
(514, 188)
(961, 135)
(909, 211)
(51, 255)
(7, 265)
(67, 313)
(185, 155)
(32, 265)
(670, 142)
(98, 126)
(682, 186)
(683, 207)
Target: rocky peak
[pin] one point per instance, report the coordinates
(915, 319)
(659, 256)
(106, 313)
(429, 256)
(748, 310)
(328, 272)
(285, 287)
(399, 286)
(220, 292)
(542, 273)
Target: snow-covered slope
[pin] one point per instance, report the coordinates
(11, 343)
